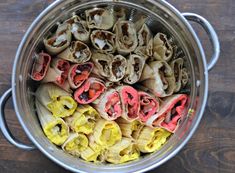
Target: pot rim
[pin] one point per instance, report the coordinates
(154, 165)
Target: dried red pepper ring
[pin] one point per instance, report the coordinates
(78, 73)
(149, 105)
(40, 66)
(92, 85)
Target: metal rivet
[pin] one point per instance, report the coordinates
(198, 83)
(51, 149)
(20, 78)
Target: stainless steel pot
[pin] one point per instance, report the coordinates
(170, 20)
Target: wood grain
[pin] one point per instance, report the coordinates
(211, 149)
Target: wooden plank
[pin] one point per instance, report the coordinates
(211, 149)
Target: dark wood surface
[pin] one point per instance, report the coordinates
(212, 147)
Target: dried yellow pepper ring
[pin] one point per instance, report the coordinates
(75, 144)
(54, 128)
(151, 139)
(123, 151)
(56, 100)
(83, 120)
(129, 129)
(107, 133)
(95, 152)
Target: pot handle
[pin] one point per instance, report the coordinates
(4, 127)
(211, 33)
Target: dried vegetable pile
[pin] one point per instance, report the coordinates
(109, 89)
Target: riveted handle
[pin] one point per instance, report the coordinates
(3, 124)
(211, 33)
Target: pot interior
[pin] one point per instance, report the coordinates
(161, 18)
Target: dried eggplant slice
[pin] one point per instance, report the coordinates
(78, 73)
(170, 113)
(119, 13)
(185, 77)
(145, 39)
(147, 73)
(89, 91)
(109, 105)
(162, 83)
(126, 37)
(56, 100)
(59, 41)
(152, 139)
(102, 63)
(162, 48)
(149, 106)
(40, 66)
(78, 52)
(123, 151)
(117, 68)
(79, 28)
(104, 41)
(100, 18)
(139, 20)
(130, 102)
(135, 65)
(176, 66)
(54, 128)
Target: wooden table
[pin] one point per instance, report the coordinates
(212, 147)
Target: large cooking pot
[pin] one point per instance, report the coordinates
(169, 20)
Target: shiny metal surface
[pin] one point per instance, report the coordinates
(3, 124)
(170, 21)
(212, 36)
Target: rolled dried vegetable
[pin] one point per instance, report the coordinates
(109, 89)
